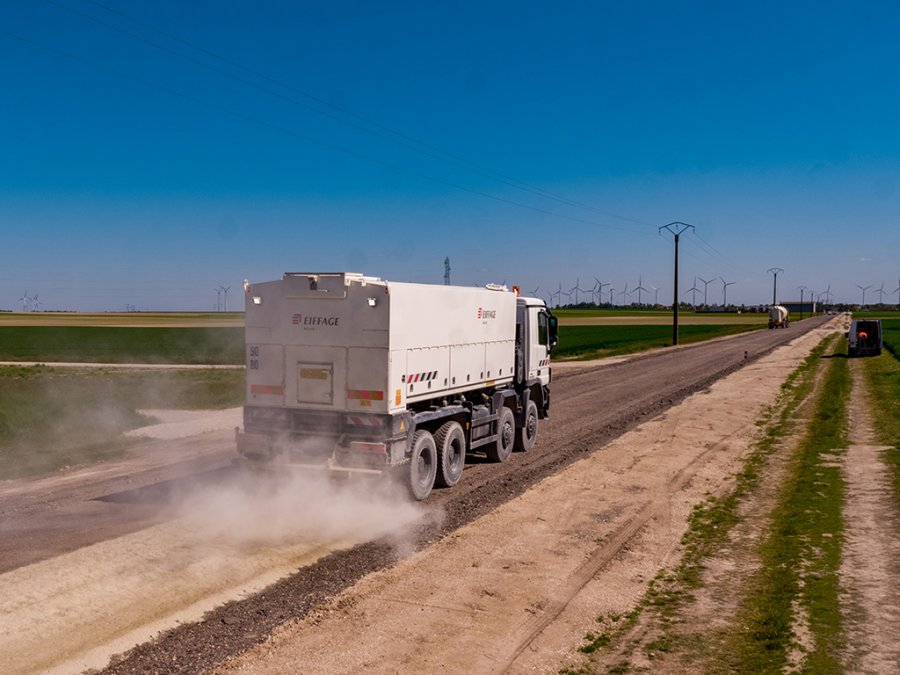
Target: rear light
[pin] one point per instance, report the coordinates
(359, 446)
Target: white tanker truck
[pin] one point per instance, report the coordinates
(778, 317)
(356, 374)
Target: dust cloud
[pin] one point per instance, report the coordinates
(287, 505)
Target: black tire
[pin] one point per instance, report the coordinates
(526, 435)
(451, 453)
(506, 437)
(422, 466)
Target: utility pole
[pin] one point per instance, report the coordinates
(801, 289)
(676, 228)
(775, 271)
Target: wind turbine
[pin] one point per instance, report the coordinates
(599, 288)
(705, 285)
(864, 289)
(693, 289)
(896, 290)
(624, 293)
(725, 285)
(575, 289)
(25, 300)
(655, 294)
(35, 303)
(534, 292)
(612, 290)
(827, 293)
(640, 287)
(558, 294)
(218, 298)
(880, 291)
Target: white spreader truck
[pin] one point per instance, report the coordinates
(778, 317)
(353, 373)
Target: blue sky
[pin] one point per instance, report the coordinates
(133, 176)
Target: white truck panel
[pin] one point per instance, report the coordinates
(359, 344)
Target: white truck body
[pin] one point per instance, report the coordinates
(342, 368)
(778, 317)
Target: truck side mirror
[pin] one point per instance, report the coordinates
(553, 325)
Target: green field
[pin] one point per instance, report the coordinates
(586, 342)
(611, 317)
(51, 418)
(104, 344)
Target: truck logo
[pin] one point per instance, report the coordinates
(300, 320)
(487, 313)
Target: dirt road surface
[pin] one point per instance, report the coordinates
(96, 554)
(871, 565)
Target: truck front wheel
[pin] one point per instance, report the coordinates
(422, 465)
(526, 435)
(451, 452)
(506, 437)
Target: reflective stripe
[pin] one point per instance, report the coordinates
(365, 394)
(267, 389)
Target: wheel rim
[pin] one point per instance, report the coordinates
(531, 426)
(423, 469)
(508, 435)
(455, 456)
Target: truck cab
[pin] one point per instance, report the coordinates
(536, 334)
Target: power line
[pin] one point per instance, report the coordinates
(310, 139)
(401, 139)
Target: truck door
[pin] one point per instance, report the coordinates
(539, 343)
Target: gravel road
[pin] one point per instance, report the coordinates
(44, 518)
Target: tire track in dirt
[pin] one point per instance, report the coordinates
(603, 555)
(871, 563)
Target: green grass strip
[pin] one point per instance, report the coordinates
(883, 378)
(113, 344)
(801, 556)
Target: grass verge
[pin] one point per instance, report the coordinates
(51, 418)
(801, 556)
(883, 378)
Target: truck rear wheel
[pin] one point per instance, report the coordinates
(506, 437)
(422, 465)
(526, 435)
(451, 453)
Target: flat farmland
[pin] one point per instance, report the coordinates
(162, 338)
(591, 334)
(125, 319)
(574, 317)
